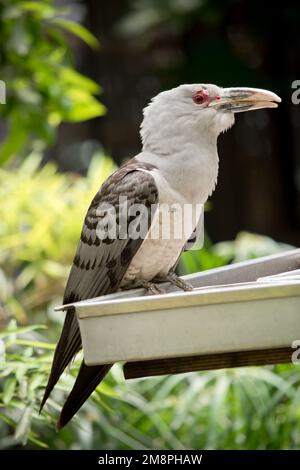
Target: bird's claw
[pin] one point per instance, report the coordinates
(153, 288)
(179, 282)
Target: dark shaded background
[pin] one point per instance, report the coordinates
(151, 45)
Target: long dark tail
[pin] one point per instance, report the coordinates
(87, 380)
(68, 345)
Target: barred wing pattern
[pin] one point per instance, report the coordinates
(98, 269)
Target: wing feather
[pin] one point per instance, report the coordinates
(98, 265)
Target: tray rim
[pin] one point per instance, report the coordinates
(199, 297)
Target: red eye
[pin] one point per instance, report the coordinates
(200, 97)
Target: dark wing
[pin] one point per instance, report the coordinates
(87, 380)
(99, 265)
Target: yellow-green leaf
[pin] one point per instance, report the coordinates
(78, 30)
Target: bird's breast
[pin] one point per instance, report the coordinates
(173, 222)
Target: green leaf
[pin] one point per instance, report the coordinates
(78, 30)
(72, 77)
(11, 12)
(7, 420)
(43, 9)
(14, 141)
(21, 330)
(9, 389)
(20, 39)
(28, 96)
(38, 442)
(107, 390)
(217, 405)
(34, 384)
(35, 344)
(23, 427)
(84, 106)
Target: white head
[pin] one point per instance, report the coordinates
(197, 113)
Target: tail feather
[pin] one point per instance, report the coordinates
(68, 345)
(87, 380)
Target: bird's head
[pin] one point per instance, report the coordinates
(199, 111)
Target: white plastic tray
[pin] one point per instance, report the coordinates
(220, 318)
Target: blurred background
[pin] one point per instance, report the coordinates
(150, 45)
(77, 76)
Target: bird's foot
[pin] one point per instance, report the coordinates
(179, 282)
(152, 287)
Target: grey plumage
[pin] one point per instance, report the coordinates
(178, 165)
(98, 268)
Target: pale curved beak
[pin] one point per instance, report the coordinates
(242, 99)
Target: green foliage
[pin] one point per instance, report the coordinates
(43, 89)
(246, 408)
(39, 228)
(245, 246)
(41, 217)
(198, 260)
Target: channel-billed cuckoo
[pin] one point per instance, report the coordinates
(178, 165)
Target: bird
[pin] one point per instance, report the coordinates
(178, 165)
